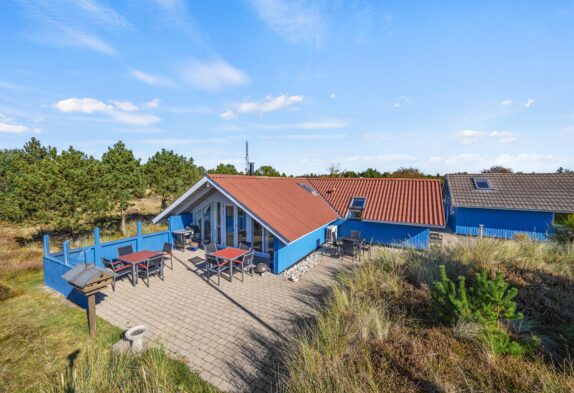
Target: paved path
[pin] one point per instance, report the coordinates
(228, 333)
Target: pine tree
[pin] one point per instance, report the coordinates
(122, 179)
(169, 175)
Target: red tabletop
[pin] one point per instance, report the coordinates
(229, 253)
(140, 256)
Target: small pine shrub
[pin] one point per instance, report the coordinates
(487, 301)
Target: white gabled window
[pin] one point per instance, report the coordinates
(356, 208)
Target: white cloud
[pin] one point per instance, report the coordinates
(102, 14)
(295, 21)
(506, 103)
(152, 80)
(124, 112)
(125, 106)
(9, 126)
(396, 105)
(305, 137)
(436, 160)
(464, 159)
(332, 96)
(134, 119)
(470, 137)
(81, 39)
(528, 104)
(152, 104)
(228, 115)
(84, 105)
(212, 76)
(270, 104)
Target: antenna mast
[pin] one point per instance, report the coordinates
(246, 157)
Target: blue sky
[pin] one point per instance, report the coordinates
(443, 86)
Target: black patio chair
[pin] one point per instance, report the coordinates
(168, 254)
(245, 262)
(125, 250)
(214, 265)
(349, 249)
(336, 244)
(367, 247)
(355, 234)
(119, 268)
(153, 265)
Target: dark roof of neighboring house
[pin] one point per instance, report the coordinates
(553, 192)
(280, 202)
(402, 201)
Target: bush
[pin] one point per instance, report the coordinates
(486, 302)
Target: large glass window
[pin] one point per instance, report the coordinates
(218, 223)
(229, 226)
(241, 226)
(270, 244)
(207, 224)
(257, 236)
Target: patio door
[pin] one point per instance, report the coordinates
(206, 221)
(257, 233)
(229, 225)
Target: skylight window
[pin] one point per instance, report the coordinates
(358, 203)
(482, 183)
(307, 188)
(356, 208)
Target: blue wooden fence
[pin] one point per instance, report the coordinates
(58, 263)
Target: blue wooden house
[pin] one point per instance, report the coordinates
(502, 205)
(285, 218)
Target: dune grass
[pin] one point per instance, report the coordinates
(44, 343)
(379, 331)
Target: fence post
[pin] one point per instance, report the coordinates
(481, 230)
(46, 239)
(139, 239)
(97, 246)
(169, 230)
(66, 251)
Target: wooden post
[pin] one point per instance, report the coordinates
(97, 246)
(46, 245)
(92, 314)
(66, 251)
(139, 241)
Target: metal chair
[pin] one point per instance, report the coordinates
(151, 266)
(355, 234)
(336, 244)
(367, 247)
(125, 250)
(210, 248)
(349, 249)
(245, 262)
(119, 268)
(168, 254)
(214, 265)
(244, 246)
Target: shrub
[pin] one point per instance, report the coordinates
(487, 301)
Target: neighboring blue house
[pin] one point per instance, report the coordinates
(502, 205)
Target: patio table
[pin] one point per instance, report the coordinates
(230, 254)
(135, 258)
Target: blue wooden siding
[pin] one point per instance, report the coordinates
(389, 234)
(58, 263)
(503, 224)
(287, 255)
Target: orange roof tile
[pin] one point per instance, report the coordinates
(279, 202)
(405, 201)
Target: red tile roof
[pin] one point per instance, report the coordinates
(405, 201)
(279, 202)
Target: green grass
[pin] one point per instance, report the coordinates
(40, 333)
(379, 331)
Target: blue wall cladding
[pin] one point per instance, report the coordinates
(389, 234)
(503, 224)
(287, 255)
(56, 264)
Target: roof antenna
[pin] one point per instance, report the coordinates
(249, 166)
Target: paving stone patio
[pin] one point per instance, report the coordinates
(230, 333)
